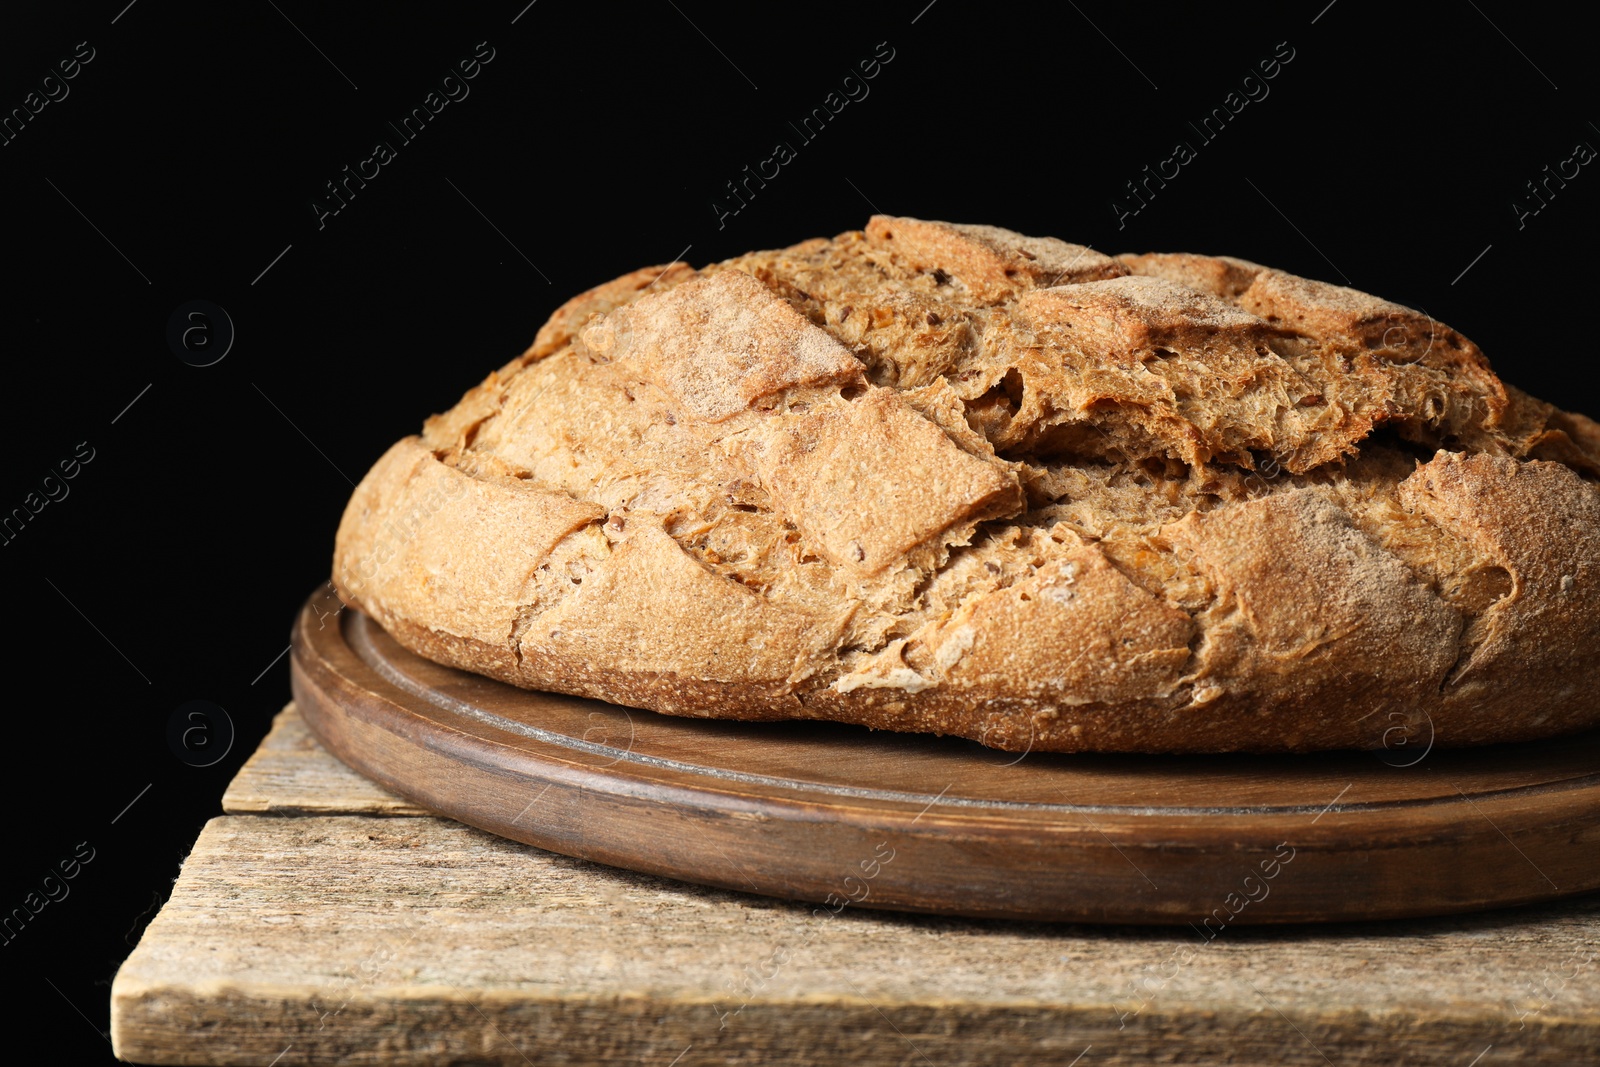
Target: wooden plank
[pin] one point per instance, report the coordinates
(366, 940)
(292, 774)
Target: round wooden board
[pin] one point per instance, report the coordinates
(843, 815)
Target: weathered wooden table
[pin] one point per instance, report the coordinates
(322, 920)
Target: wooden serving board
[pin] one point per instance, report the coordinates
(841, 815)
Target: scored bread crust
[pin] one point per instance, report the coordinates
(947, 478)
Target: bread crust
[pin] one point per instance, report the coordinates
(947, 478)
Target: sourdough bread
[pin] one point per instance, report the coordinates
(948, 478)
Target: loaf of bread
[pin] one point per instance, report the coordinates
(947, 478)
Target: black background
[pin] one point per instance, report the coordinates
(189, 150)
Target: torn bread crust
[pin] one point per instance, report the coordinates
(947, 478)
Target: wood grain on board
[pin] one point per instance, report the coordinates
(291, 774)
(359, 936)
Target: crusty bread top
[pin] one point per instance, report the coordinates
(928, 458)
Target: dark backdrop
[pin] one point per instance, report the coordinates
(182, 160)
